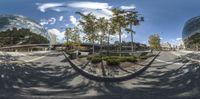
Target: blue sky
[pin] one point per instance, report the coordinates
(164, 17)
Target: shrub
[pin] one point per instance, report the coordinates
(83, 56)
(96, 60)
(113, 62)
(132, 59)
(142, 57)
(143, 53)
(93, 56)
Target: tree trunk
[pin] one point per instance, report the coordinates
(93, 47)
(102, 66)
(120, 43)
(108, 43)
(131, 40)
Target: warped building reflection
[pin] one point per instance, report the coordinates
(21, 30)
(191, 34)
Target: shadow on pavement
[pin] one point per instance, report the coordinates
(54, 80)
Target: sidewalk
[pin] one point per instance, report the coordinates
(190, 55)
(21, 56)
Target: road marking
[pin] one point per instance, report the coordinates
(34, 59)
(169, 62)
(25, 61)
(195, 60)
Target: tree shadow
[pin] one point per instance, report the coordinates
(54, 80)
(180, 83)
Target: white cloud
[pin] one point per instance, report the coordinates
(116, 36)
(90, 5)
(45, 6)
(66, 25)
(52, 21)
(44, 22)
(98, 13)
(97, 8)
(73, 20)
(178, 39)
(175, 42)
(128, 7)
(60, 9)
(61, 18)
(60, 35)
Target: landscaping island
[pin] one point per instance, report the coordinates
(113, 66)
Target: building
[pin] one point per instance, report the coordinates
(17, 30)
(191, 34)
(166, 46)
(53, 37)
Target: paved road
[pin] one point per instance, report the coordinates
(169, 77)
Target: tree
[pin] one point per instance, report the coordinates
(119, 23)
(154, 42)
(132, 19)
(75, 37)
(68, 33)
(102, 25)
(89, 26)
(21, 36)
(111, 31)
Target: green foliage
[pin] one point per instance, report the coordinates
(21, 36)
(112, 62)
(143, 53)
(132, 59)
(154, 42)
(95, 58)
(89, 26)
(68, 33)
(142, 57)
(112, 59)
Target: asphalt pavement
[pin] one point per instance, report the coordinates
(51, 77)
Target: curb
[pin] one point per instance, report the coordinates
(109, 79)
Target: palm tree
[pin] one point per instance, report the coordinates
(133, 19)
(89, 26)
(119, 22)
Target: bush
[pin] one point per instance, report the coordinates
(92, 56)
(132, 59)
(143, 53)
(95, 60)
(83, 56)
(113, 62)
(142, 57)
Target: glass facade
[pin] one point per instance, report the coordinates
(19, 30)
(191, 34)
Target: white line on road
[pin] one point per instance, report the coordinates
(34, 59)
(169, 62)
(179, 55)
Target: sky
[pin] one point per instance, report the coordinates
(163, 17)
